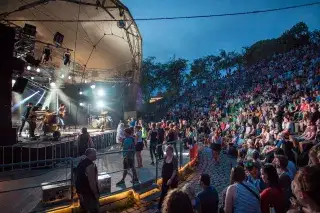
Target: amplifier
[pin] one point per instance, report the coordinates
(56, 192)
(104, 183)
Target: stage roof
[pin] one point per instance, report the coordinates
(102, 50)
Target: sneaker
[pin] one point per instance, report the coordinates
(121, 182)
(134, 182)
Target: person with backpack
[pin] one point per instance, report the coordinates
(128, 157)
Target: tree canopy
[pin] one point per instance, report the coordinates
(167, 79)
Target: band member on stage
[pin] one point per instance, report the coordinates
(33, 118)
(61, 114)
(25, 117)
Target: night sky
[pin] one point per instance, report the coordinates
(195, 38)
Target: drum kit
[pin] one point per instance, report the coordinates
(99, 122)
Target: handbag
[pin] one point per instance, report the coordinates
(250, 190)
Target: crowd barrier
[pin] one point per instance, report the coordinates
(28, 155)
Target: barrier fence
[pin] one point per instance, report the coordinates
(27, 155)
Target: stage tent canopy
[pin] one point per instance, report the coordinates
(103, 39)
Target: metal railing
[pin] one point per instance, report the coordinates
(41, 154)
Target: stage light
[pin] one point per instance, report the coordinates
(46, 54)
(101, 92)
(52, 84)
(85, 81)
(66, 58)
(93, 86)
(32, 78)
(38, 69)
(80, 91)
(62, 75)
(81, 104)
(69, 77)
(13, 82)
(28, 68)
(100, 104)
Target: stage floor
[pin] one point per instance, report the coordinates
(27, 200)
(65, 135)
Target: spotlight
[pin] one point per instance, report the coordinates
(38, 69)
(69, 77)
(52, 84)
(62, 75)
(46, 54)
(101, 92)
(93, 86)
(32, 78)
(13, 82)
(80, 91)
(58, 39)
(28, 68)
(100, 104)
(81, 104)
(66, 58)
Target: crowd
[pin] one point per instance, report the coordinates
(266, 115)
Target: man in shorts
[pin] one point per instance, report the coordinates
(128, 157)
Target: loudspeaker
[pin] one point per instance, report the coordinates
(18, 65)
(20, 85)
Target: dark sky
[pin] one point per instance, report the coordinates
(195, 38)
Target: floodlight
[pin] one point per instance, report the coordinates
(101, 92)
(100, 104)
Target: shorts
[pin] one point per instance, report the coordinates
(128, 163)
(300, 139)
(139, 146)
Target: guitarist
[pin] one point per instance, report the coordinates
(25, 117)
(32, 119)
(61, 114)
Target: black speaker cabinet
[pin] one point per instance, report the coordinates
(20, 85)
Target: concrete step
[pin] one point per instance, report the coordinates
(151, 198)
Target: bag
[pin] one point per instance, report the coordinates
(250, 190)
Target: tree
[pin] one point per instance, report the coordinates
(149, 77)
(315, 37)
(297, 36)
(173, 73)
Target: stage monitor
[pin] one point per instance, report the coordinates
(20, 85)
